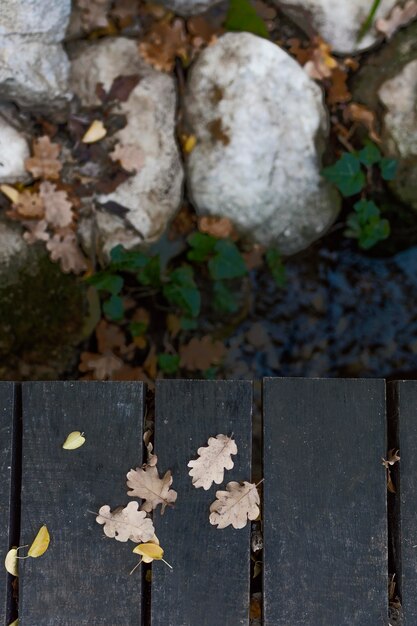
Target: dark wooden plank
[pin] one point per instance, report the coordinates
(325, 535)
(83, 578)
(403, 414)
(7, 406)
(209, 584)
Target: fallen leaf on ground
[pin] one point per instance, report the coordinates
(188, 143)
(146, 484)
(102, 365)
(120, 90)
(355, 112)
(220, 227)
(44, 163)
(392, 458)
(213, 460)
(36, 231)
(163, 44)
(200, 354)
(149, 552)
(10, 192)
(74, 440)
(110, 337)
(131, 157)
(65, 250)
(40, 543)
(399, 16)
(321, 63)
(235, 506)
(126, 523)
(152, 458)
(30, 205)
(338, 91)
(95, 132)
(11, 562)
(58, 210)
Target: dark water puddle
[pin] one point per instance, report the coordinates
(341, 314)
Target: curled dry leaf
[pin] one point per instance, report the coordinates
(355, 112)
(235, 506)
(95, 132)
(213, 460)
(40, 543)
(74, 440)
(149, 552)
(399, 16)
(64, 248)
(131, 157)
(44, 162)
(152, 458)
(321, 63)
(163, 44)
(102, 365)
(146, 484)
(392, 458)
(11, 562)
(58, 210)
(126, 523)
(200, 354)
(10, 192)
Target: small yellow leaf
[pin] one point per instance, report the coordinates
(10, 562)
(188, 143)
(149, 552)
(40, 543)
(96, 132)
(74, 440)
(15, 623)
(10, 192)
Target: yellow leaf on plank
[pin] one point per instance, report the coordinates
(10, 192)
(74, 440)
(149, 552)
(40, 543)
(15, 623)
(10, 562)
(96, 132)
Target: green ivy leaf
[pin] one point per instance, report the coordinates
(389, 168)
(276, 266)
(188, 324)
(241, 16)
(227, 261)
(223, 299)
(169, 363)
(366, 225)
(210, 373)
(138, 328)
(202, 246)
(346, 174)
(128, 260)
(104, 281)
(182, 291)
(113, 308)
(370, 154)
(151, 273)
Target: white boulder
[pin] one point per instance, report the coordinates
(153, 194)
(260, 126)
(338, 22)
(14, 150)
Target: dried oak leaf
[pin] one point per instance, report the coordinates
(220, 227)
(399, 16)
(64, 248)
(131, 157)
(146, 484)
(58, 209)
(235, 506)
(200, 354)
(30, 205)
(36, 231)
(321, 63)
(110, 337)
(126, 523)
(163, 43)
(44, 162)
(103, 366)
(213, 460)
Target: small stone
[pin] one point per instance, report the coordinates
(261, 126)
(14, 150)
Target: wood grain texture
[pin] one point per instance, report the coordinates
(7, 405)
(404, 412)
(325, 526)
(209, 585)
(84, 577)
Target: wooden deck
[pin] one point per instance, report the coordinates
(330, 540)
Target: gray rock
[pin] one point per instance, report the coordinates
(337, 21)
(260, 125)
(153, 195)
(188, 7)
(33, 64)
(14, 150)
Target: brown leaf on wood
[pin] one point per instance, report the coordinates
(103, 366)
(355, 112)
(30, 205)
(235, 506)
(163, 43)
(220, 227)
(58, 210)
(131, 157)
(146, 484)
(126, 523)
(44, 163)
(200, 354)
(212, 460)
(65, 249)
(36, 231)
(399, 16)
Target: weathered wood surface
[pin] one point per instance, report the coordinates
(325, 535)
(83, 579)
(403, 403)
(7, 407)
(209, 584)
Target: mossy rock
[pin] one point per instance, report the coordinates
(41, 312)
